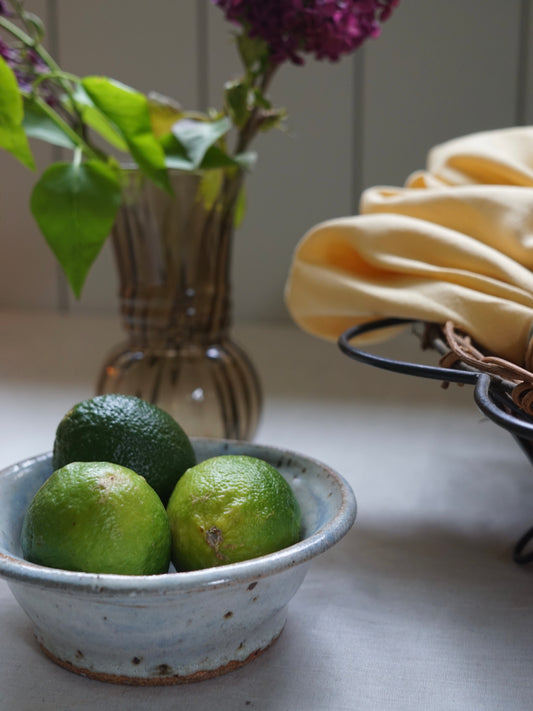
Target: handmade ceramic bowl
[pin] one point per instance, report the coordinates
(176, 627)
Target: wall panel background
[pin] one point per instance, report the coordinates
(526, 63)
(441, 68)
(446, 69)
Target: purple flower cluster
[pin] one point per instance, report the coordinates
(26, 66)
(25, 63)
(326, 29)
(10, 55)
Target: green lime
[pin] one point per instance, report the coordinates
(125, 430)
(97, 517)
(228, 509)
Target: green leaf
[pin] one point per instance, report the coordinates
(11, 108)
(75, 205)
(164, 112)
(96, 120)
(198, 136)
(236, 97)
(215, 157)
(128, 111)
(210, 186)
(254, 52)
(37, 124)
(12, 136)
(272, 119)
(175, 155)
(261, 100)
(177, 162)
(14, 141)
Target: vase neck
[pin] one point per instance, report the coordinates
(173, 258)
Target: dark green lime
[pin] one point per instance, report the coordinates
(128, 431)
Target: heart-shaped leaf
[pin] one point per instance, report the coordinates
(75, 205)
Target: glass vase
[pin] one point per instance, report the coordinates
(173, 254)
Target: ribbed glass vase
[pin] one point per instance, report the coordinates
(173, 255)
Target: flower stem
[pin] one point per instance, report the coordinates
(76, 139)
(251, 127)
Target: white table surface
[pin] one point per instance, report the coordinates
(419, 607)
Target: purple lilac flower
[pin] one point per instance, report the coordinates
(326, 29)
(10, 55)
(24, 80)
(35, 62)
(27, 65)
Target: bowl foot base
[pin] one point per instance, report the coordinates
(167, 680)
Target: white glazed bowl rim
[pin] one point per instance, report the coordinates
(17, 569)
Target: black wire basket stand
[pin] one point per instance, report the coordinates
(492, 395)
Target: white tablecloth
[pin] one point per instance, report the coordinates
(420, 606)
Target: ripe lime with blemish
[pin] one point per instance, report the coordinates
(97, 517)
(228, 509)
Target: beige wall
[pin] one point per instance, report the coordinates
(441, 68)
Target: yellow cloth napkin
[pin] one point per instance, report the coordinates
(455, 244)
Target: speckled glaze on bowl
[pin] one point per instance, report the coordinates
(176, 627)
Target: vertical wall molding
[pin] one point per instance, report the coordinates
(358, 132)
(527, 64)
(523, 75)
(52, 33)
(202, 56)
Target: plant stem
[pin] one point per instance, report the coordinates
(75, 137)
(251, 127)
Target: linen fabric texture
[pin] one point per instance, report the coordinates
(454, 244)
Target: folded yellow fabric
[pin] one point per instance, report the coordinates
(454, 244)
